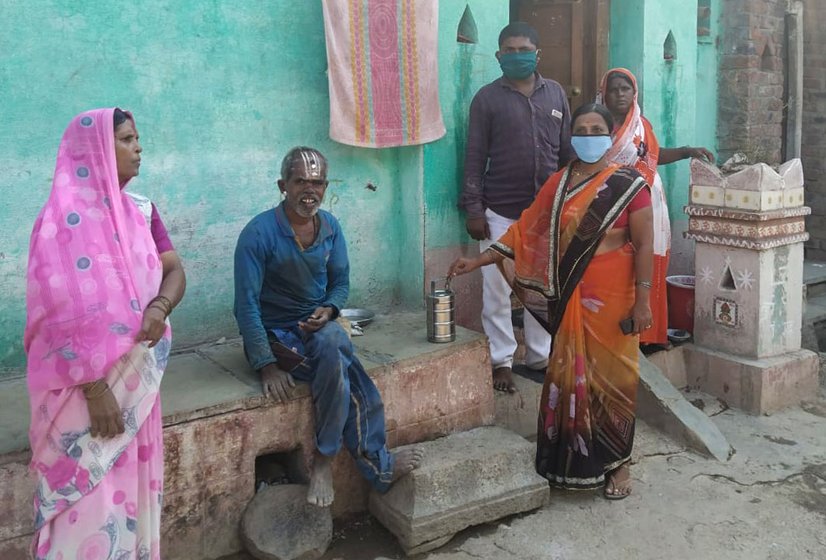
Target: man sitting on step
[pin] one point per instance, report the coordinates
(291, 279)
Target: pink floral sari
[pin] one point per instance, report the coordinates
(93, 267)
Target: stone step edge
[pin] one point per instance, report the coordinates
(537, 495)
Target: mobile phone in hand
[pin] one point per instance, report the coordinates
(627, 325)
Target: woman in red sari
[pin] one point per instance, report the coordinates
(635, 144)
(579, 259)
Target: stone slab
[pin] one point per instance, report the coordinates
(518, 412)
(792, 173)
(193, 382)
(279, 524)
(757, 177)
(15, 415)
(671, 363)
(660, 404)
(755, 385)
(704, 173)
(814, 272)
(466, 479)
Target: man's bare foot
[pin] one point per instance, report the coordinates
(406, 460)
(618, 485)
(503, 379)
(321, 492)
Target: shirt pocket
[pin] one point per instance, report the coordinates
(549, 130)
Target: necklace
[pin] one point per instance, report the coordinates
(315, 233)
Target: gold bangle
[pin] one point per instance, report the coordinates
(164, 299)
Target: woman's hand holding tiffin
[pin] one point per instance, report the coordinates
(642, 316)
(104, 412)
(463, 265)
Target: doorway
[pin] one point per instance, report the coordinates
(573, 37)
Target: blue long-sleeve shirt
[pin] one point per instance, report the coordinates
(277, 284)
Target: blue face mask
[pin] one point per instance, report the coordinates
(591, 148)
(518, 65)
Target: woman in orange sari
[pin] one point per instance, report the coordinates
(579, 259)
(636, 144)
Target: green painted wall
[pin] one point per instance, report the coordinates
(220, 90)
(670, 98)
(627, 26)
(708, 57)
(468, 67)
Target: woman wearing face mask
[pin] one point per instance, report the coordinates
(635, 144)
(579, 259)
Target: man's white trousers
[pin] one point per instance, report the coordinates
(496, 310)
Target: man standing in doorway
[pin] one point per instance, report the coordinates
(518, 134)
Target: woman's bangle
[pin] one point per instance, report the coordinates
(162, 303)
(164, 300)
(644, 284)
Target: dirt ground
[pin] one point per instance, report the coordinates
(767, 502)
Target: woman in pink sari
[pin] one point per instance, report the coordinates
(102, 280)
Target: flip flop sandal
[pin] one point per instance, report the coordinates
(614, 496)
(610, 496)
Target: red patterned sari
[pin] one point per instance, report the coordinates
(586, 417)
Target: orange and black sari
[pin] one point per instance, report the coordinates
(586, 415)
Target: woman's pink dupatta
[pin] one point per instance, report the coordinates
(93, 267)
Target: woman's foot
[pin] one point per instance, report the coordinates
(618, 485)
(321, 492)
(405, 461)
(503, 379)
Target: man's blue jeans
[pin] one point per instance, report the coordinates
(347, 404)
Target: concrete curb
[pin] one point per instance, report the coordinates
(660, 404)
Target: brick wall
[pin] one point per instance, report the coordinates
(750, 118)
(814, 124)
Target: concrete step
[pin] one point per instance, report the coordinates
(814, 278)
(815, 310)
(466, 479)
(662, 405)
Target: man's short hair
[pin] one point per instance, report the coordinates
(302, 154)
(519, 29)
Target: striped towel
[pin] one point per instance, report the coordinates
(384, 72)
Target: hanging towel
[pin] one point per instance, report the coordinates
(384, 72)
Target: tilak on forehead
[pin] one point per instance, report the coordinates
(311, 163)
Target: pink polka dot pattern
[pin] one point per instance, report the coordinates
(118, 497)
(144, 453)
(122, 459)
(90, 274)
